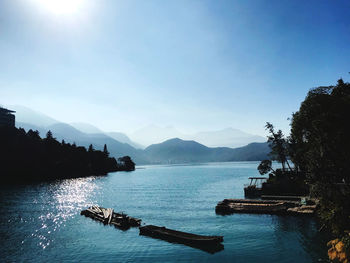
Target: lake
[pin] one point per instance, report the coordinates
(42, 222)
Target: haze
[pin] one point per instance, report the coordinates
(193, 65)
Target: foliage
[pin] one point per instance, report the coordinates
(320, 149)
(265, 166)
(279, 146)
(105, 151)
(126, 163)
(26, 157)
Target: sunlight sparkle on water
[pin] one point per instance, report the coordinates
(67, 198)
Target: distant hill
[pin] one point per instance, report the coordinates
(180, 151)
(228, 137)
(119, 136)
(152, 134)
(85, 127)
(170, 151)
(27, 115)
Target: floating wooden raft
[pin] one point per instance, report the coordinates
(209, 244)
(230, 206)
(250, 206)
(108, 216)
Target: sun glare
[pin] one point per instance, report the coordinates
(61, 7)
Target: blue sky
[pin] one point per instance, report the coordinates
(195, 65)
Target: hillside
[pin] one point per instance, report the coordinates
(180, 151)
(169, 151)
(63, 131)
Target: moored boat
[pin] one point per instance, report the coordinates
(210, 244)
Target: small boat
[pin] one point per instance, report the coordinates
(108, 216)
(209, 244)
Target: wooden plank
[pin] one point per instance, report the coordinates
(110, 215)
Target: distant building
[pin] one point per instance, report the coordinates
(7, 118)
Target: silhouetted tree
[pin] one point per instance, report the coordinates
(33, 134)
(49, 135)
(105, 151)
(320, 144)
(126, 163)
(265, 166)
(91, 148)
(26, 157)
(279, 146)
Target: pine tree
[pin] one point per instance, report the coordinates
(91, 148)
(49, 135)
(105, 151)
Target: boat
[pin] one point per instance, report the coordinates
(209, 244)
(108, 216)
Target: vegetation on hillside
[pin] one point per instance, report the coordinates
(27, 157)
(319, 148)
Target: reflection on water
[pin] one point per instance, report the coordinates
(64, 200)
(42, 222)
(72, 195)
(302, 229)
(44, 208)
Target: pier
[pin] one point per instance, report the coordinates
(279, 207)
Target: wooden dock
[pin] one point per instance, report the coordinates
(108, 217)
(250, 206)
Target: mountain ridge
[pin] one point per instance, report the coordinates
(174, 150)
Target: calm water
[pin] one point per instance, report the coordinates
(41, 223)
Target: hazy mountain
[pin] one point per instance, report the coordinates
(85, 127)
(27, 126)
(27, 115)
(154, 134)
(180, 151)
(170, 151)
(65, 131)
(121, 137)
(228, 137)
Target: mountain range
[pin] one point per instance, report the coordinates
(179, 151)
(228, 137)
(174, 150)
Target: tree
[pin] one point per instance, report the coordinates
(105, 151)
(49, 135)
(265, 166)
(33, 134)
(320, 144)
(127, 163)
(91, 148)
(279, 145)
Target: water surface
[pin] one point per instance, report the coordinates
(42, 222)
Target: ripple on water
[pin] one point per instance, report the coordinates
(43, 221)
